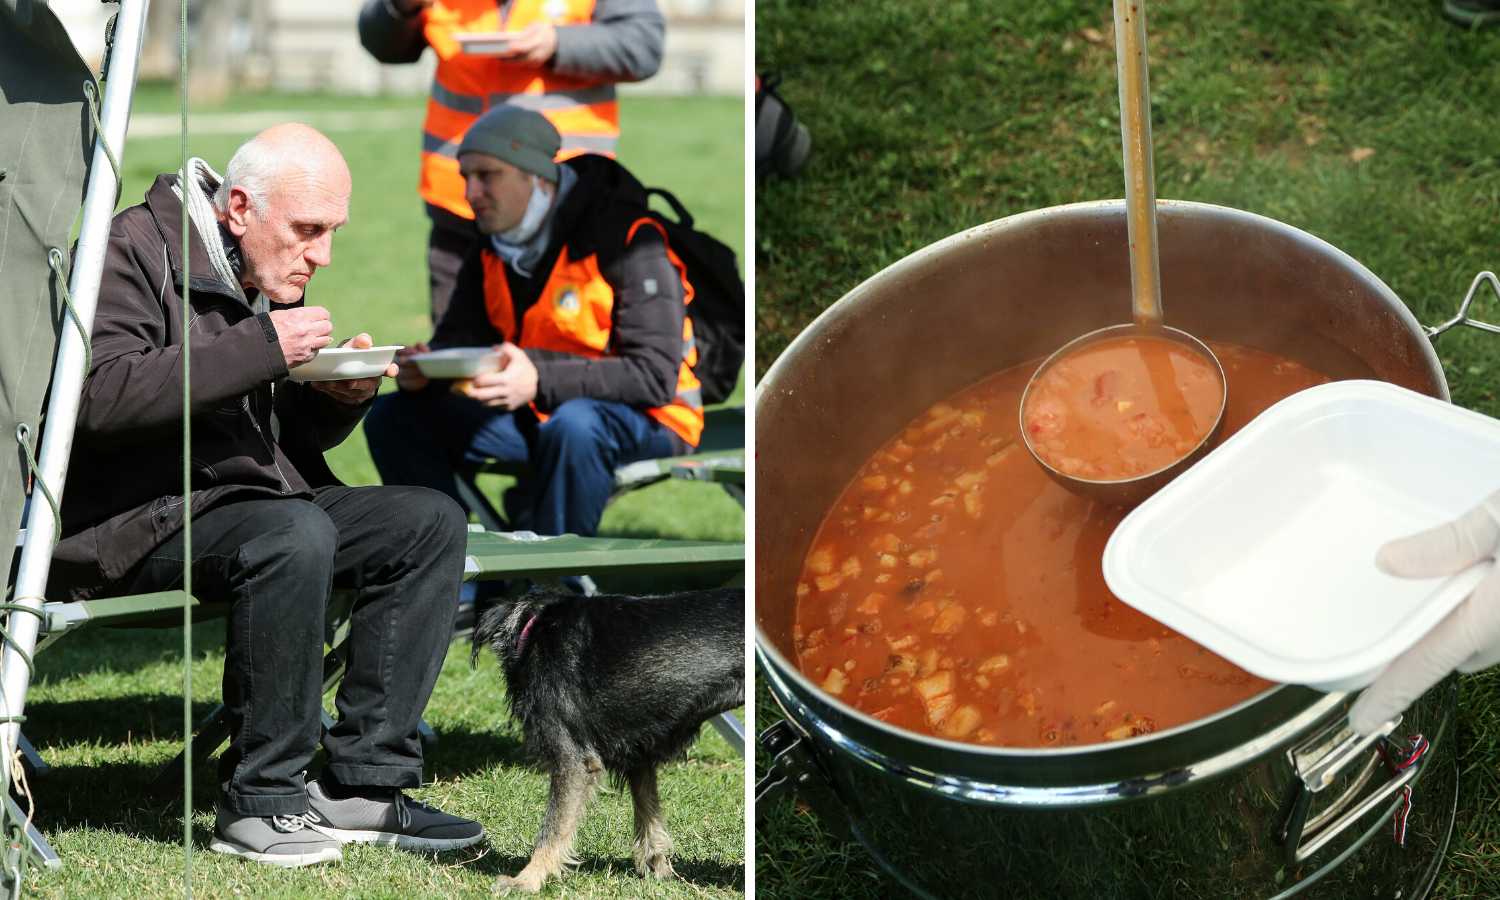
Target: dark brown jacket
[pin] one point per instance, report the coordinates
(124, 490)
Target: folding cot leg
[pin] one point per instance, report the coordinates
(474, 499)
(213, 731)
(36, 767)
(727, 725)
(37, 849)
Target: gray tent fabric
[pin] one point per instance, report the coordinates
(45, 150)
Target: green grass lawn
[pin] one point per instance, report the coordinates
(106, 710)
(931, 118)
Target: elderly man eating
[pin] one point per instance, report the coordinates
(273, 530)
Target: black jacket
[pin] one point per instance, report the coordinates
(124, 490)
(646, 325)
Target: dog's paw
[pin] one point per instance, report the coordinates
(504, 884)
(654, 865)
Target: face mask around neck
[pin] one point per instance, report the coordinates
(531, 220)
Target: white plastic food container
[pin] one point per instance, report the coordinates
(1264, 552)
(486, 43)
(339, 363)
(458, 362)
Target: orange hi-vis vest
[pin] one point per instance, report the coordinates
(466, 86)
(574, 315)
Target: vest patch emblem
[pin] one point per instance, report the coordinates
(555, 9)
(567, 300)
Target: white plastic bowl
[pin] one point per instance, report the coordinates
(1264, 552)
(458, 362)
(340, 363)
(486, 43)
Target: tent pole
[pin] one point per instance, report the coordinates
(67, 374)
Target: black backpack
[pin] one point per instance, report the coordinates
(718, 307)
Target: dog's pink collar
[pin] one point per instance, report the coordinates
(525, 632)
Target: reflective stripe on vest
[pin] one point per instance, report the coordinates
(465, 86)
(474, 105)
(574, 314)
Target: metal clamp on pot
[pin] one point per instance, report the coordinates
(1463, 310)
(794, 770)
(1318, 762)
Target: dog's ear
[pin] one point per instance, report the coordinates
(491, 623)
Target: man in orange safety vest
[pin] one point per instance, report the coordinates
(561, 58)
(584, 302)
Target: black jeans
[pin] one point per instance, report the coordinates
(402, 550)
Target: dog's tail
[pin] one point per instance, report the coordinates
(490, 623)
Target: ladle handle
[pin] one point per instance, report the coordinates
(1140, 173)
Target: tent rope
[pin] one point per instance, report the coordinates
(188, 183)
(91, 94)
(55, 260)
(23, 437)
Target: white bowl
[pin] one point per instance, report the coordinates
(486, 43)
(1264, 552)
(458, 362)
(340, 363)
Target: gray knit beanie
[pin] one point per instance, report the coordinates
(521, 137)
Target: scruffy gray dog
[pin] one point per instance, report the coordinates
(617, 684)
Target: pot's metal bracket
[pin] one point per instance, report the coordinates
(1316, 764)
(1463, 310)
(794, 770)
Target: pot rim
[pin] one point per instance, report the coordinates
(933, 254)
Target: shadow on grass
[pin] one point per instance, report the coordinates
(113, 720)
(702, 873)
(111, 796)
(124, 650)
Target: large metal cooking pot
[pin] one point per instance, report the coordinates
(1270, 797)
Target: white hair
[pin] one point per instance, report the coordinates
(254, 168)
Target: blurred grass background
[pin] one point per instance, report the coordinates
(1369, 123)
(105, 709)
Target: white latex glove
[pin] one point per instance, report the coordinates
(1467, 640)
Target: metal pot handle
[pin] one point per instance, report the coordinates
(1317, 762)
(794, 770)
(1463, 310)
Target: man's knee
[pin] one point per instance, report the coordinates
(299, 529)
(577, 426)
(291, 544)
(428, 513)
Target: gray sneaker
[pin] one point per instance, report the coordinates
(277, 840)
(398, 821)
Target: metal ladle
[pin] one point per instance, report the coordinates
(1145, 271)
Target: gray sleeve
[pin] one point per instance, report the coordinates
(390, 35)
(623, 42)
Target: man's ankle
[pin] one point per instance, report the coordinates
(334, 790)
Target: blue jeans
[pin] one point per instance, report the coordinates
(419, 438)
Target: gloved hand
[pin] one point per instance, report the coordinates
(1467, 640)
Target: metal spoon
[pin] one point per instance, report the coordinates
(1145, 271)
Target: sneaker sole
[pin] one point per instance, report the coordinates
(284, 860)
(400, 841)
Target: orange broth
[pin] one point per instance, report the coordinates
(955, 590)
(1122, 408)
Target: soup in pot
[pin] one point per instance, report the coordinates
(956, 590)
